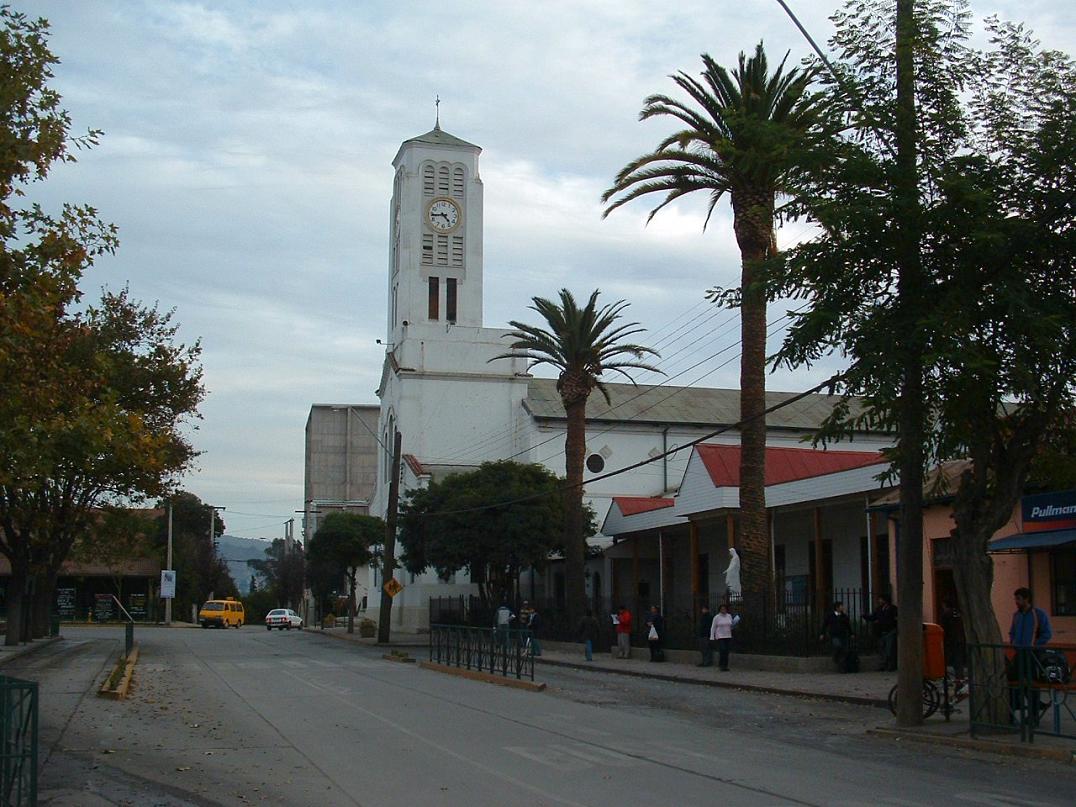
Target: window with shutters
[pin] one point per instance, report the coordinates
(441, 258)
(457, 181)
(428, 182)
(427, 249)
(456, 254)
(443, 180)
(434, 300)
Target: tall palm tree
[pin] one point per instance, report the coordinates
(582, 343)
(744, 136)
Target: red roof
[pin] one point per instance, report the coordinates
(782, 464)
(633, 505)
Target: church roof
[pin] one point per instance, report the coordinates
(438, 137)
(678, 405)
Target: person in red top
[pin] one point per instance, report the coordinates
(623, 633)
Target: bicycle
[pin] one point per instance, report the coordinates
(934, 697)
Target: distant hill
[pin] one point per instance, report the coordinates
(237, 551)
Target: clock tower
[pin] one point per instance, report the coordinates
(435, 255)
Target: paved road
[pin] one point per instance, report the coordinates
(250, 717)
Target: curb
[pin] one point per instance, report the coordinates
(972, 744)
(489, 678)
(343, 637)
(120, 692)
(856, 700)
(25, 649)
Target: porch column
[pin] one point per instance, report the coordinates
(634, 573)
(664, 570)
(819, 578)
(693, 527)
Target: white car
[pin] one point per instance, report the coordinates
(284, 619)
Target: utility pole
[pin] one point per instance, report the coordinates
(911, 285)
(168, 565)
(388, 556)
(212, 536)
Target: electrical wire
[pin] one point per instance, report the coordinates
(829, 382)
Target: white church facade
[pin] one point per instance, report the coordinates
(456, 407)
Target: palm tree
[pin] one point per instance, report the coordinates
(744, 136)
(582, 343)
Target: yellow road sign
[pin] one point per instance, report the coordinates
(393, 587)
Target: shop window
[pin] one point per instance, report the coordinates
(1063, 575)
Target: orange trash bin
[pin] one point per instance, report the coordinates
(933, 651)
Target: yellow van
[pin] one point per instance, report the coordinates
(227, 613)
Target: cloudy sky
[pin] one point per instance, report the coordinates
(246, 162)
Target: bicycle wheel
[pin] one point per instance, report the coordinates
(931, 699)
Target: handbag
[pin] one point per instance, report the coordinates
(653, 635)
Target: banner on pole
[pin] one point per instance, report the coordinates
(168, 584)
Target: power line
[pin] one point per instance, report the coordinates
(829, 382)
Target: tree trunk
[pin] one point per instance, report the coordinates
(753, 224)
(351, 601)
(574, 540)
(43, 598)
(16, 602)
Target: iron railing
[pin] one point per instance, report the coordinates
(786, 623)
(128, 629)
(1025, 691)
(18, 741)
(499, 651)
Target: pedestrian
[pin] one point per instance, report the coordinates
(622, 619)
(884, 618)
(503, 623)
(533, 624)
(655, 633)
(1029, 629)
(588, 632)
(721, 632)
(702, 633)
(839, 628)
(956, 650)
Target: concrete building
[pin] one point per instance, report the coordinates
(340, 471)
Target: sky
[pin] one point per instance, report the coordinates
(247, 164)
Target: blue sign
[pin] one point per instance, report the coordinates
(1049, 511)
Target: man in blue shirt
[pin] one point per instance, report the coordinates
(1030, 625)
(1030, 628)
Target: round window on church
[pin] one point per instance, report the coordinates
(595, 463)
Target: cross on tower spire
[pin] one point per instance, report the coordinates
(437, 104)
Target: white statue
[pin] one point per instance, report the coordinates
(732, 573)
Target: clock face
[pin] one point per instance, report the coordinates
(443, 215)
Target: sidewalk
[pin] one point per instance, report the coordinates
(865, 688)
(8, 654)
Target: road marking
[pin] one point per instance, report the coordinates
(999, 800)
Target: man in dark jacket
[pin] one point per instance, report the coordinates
(839, 628)
(884, 618)
(702, 632)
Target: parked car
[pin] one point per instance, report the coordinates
(284, 619)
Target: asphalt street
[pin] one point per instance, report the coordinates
(296, 718)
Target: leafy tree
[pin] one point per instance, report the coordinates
(582, 343)
(746, 135)
(449, 526)
(281, 572)
(343, 542)
(943, 271)
(118, 536)
(95, 396)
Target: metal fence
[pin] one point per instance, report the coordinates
(18, 741)
(1023, 691)
(786, 623)
(499, 651)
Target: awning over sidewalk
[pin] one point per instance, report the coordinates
(1023, 541)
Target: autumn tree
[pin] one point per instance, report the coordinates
(343, 542)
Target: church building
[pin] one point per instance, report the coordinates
(456, 407)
